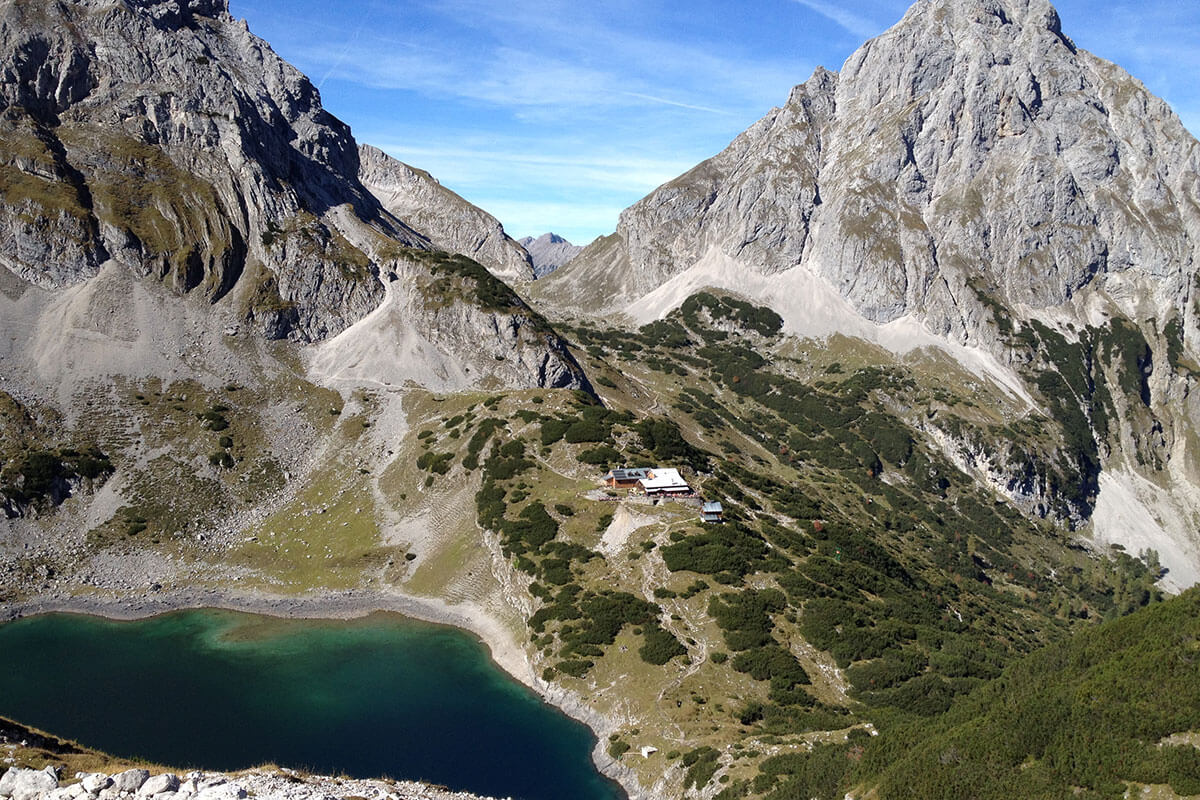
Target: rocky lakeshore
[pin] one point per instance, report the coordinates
(281, 784)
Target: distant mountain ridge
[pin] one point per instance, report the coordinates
(549, 252)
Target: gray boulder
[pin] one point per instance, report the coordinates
(130, 780)
(167, 782)
(95, 782)
(27, 784)
(7, 781)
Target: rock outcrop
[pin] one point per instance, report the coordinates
(446, 219)
(30, 784)
(449, 325)
(549, 252)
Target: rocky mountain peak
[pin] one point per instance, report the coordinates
(167, 137)
(970, 145)
(549, 252)
(989, 13)
(970, 180)
(180, 13)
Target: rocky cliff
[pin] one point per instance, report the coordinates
(970, 148)
(970, 180)
(165, 136)
(447, 220)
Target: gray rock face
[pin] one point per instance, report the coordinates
(972, 175)
(755, 200)
(166, 136)
(433, 330)
(446, 219)
(549, 252)
(971, 148)
(164, 140)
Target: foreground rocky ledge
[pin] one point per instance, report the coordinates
(280, 784)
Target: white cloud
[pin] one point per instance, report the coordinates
(666, 102)
(586, 64)
(578, 222)
(593, 171)
(853, 23)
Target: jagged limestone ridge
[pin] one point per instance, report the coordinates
(446, 219)
(549, 252)
(164, 139)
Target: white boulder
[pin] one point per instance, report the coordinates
(95, 782)
(224, 791)
(7, 781)
(130, 780)
(27, 784)
(167, 782)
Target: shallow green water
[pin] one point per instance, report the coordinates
(221, 690)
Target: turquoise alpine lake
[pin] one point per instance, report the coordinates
(377, 696)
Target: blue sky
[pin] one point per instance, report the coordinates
(555, 115)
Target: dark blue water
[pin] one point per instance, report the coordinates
(382, 696)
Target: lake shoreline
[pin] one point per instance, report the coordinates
(503, 650)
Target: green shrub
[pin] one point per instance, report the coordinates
(727, 548)
(576, 668)
(701, 765)
(527, 534)
(585, 431)
(663, 438)
(660, 646)
(603, 455)
(435, 462)
(553, 430)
